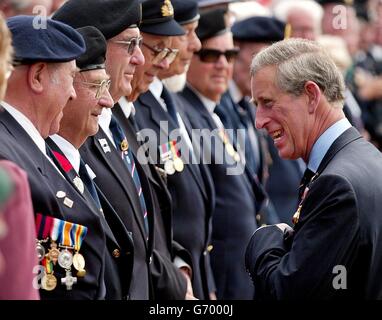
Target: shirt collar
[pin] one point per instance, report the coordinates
(70, 152)
(208, 103)
(324, 142)
(27, 125)
(156, 88)
(105, 118)
(127, 107)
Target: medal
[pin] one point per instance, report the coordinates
(68, 281)
(40, 250)
(49, 282)
(65, 259)
(236, 156)
(79, 233)
(53, 252)
(79, 184)
(79, 264)
(124, 145)
(169, 167)
(230, 150)
(178, 164)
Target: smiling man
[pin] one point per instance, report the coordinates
(334, 249)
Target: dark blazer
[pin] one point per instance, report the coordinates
(45, 181)
(120, 249)
(340, 225)
(234, 218)
(168, 282)
(192, 196)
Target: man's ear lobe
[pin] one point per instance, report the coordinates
(313, 94)
(36, 76)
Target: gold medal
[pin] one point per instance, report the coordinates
(124, 145)
(78, 261)
(49, 282)
(81, 273)
(169, 167)
(178, 164)
(53, 253)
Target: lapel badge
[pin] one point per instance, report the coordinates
(124, 145)
(60, 194)
(68, 202)
(79, 184)
(104, 145)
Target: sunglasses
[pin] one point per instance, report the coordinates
(101, 87)
(131, 44)
(213, 55)
(161, 54)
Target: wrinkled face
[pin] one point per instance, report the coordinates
(211, 78)
(121, 65)
(302, 23)
(146, 73)
(60, 91)
(283, 116)
(81, 114)
(187, 45)
(242, 65)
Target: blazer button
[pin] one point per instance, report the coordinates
(116, 253)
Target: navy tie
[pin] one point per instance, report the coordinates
(89, 184)
(306, 178)
(168, 100)
(127, 157)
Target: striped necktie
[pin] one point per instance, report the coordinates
(127, 157)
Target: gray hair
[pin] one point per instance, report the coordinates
(299, 61)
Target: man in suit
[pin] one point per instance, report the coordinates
(38, 89)
(334, 249)
(251, 35)
(154, 275)
(234, 216)
(190, 185)
(79, 121)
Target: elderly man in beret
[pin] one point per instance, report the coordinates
(38, 90)
(79, 121)
(103, 151)
(191, 190)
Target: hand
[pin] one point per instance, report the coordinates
(213, 295)
(189, 292)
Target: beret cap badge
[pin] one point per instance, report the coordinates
(167, 9)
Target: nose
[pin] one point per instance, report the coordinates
(222, 61)
(137, 58)
(261, 118)
(164, 65)
(73, 93)
(106, 101)
(195, 44)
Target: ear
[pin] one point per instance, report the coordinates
(313, 94)
(36, 76)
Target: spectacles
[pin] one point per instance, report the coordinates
(102, 87)
(161, 54)
(213, 55)
(131, 44)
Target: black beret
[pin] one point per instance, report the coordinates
(211, 23)
(345, 2)
(94, 57)
(158, 19)
(259, 29)
(111, 17)
(185, 11)
(55, 42)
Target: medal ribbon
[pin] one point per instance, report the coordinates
(43, 226)
(66, 234)
(164, 150)
(54, 234)
(78, 233)
(175, 151)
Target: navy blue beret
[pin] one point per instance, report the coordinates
(111, 17)
(57, 42)
(259, 29)
(94, 57)
(211, 23)
(158, 19)
(185, 11)
(206, 3)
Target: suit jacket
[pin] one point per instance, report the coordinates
(120, 248)
(168, 282)
(234, 217)
(45, 181)
(192, 195)
(339, 229)
(18, 247)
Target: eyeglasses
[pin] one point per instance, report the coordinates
(102, 87)
(161, 54)
(131, 44)
(213, 55)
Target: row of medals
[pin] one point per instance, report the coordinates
(65, 260)
(173, 165)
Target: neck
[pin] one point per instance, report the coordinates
(75, 139)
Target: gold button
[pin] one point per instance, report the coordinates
(116, 253)
(210, 247)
